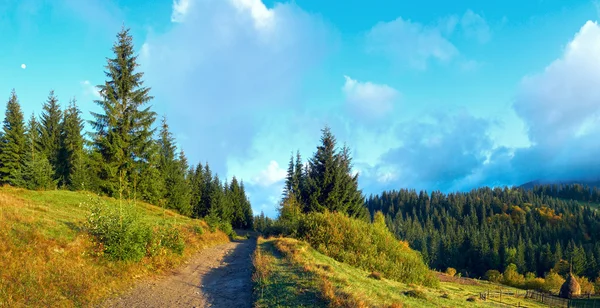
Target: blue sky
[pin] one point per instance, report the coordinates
(446, 95)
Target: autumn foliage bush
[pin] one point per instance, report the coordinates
(369, 246)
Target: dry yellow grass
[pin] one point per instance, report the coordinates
(47, 260)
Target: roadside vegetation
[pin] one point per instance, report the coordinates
(65, 249)
(341, 285)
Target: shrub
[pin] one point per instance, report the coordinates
(371, 247)
(226, 228)
(171, 238)
(198, 230)
(535, 283)
(450, 272)
(213, 222)
(124, 236)
(553, 282)
(493, 276)
(120, 231)
(512, 277)
(587, 287)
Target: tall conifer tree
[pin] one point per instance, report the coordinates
(12, 143)
(123, 131)
(72, 169)
(50, 131)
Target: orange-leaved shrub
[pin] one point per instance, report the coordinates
(369, 246)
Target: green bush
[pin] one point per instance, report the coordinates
(198, 230)
(124, 236)
(226, 228)
(371, 247)
(213, 222)
(171, 239)
(120, 231)
(493, 276)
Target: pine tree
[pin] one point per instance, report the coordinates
(12, 143)
(289, 178)
(50, 132)
(182, 186)
(37, 172)
(329, 184)
(198, 188)
(151, 186)
(72, 170)
(322, 188)
(246, 208)
(173, 170)
(297, 183)
(216, 198)
(123, 133)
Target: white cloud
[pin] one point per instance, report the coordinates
(263, 17)
(557, 103)
(410, 41)
(180, 9)
(475, 26)
(560, 106)
(271, 175)
(89, 89)
(369, 98)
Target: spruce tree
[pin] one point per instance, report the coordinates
(328, 184)
(198, 188)
(246, 208)
(72, 170)
(12, 143)
(50, 132)
(289, 178)
(297, 183)
(151, 186)
(123, 133)
(182, 186)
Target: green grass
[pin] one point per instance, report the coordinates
(48, 259)
(357, 289)
(286, 285)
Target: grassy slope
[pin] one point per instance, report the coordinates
(346, 286)
(47, 260)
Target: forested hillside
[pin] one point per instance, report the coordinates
(126, 155)
(488, 229)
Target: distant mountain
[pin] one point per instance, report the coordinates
(532, 184)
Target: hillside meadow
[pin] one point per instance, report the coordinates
(289, 273)
(49, 258)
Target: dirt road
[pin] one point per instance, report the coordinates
(216, 277)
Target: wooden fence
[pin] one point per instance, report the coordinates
(584, 301)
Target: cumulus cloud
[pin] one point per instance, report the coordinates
(180, 9)
(561, 110)
(217, 72)
(438, 151)
(475, 26)
(271, 175)
(417, 44)
(263, 17)
(224, 71)
(410, 41)
(367, 98)
(89, 89)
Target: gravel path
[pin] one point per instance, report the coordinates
(216, 277)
